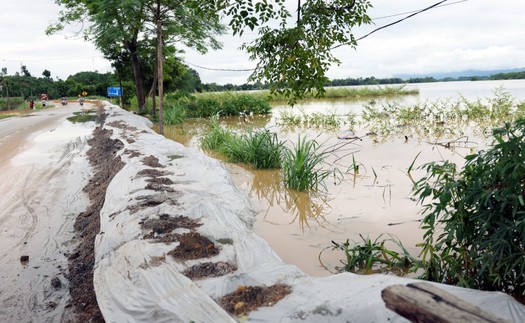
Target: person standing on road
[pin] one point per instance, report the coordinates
(31, 104)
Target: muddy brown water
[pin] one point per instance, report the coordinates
(378, 200)
(300, 226)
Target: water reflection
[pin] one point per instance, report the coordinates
(300, 207)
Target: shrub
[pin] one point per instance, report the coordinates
(475, 221)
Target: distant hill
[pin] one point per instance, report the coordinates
(466, 73)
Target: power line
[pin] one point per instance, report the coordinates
(220, 69)
(395, 22)
(407, 12)
(412, 14)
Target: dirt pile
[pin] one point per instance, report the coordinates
(103, 158)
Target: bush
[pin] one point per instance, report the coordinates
(227, 104)
(475, 223)
(14, 103)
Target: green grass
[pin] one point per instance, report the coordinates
(261, 148)
(376, 256)
(302, 166)
(334, 93)
(216, 137)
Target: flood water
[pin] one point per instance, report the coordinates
(376, 200)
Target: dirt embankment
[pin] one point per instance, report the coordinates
(106, 164)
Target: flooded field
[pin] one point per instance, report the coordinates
(371, 193)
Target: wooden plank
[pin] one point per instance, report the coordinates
(423, 302)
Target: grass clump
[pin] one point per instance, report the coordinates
(371, 257)
(301, 166)
(261, 148)
(216, 137)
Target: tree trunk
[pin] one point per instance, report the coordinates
(153, 91)
(139, 92)
(160, 73)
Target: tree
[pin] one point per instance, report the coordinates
(46, 73)
(24, 71)
(129, 25)
(292, 55)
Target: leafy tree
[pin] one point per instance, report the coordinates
(46, 73)
(127, 27)
(293, 57)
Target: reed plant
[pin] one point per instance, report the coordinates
(302, 166)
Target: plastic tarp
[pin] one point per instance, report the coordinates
(136, 281)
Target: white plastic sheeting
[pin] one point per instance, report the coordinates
(136, 281)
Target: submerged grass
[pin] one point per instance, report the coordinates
(333, 93)
(376, 256)
(261, 148)
(301, 166)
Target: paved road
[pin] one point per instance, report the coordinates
(42, 172)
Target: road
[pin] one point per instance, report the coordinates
(42, 173)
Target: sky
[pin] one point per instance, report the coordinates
(463, 35)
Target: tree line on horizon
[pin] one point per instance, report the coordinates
(23, 85)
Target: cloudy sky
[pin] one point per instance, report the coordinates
(472, 34)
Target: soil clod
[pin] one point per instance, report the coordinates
(194, 246)
(161, 229)
(209, 269)
(249, 298)
(152, 161)
(56, 283)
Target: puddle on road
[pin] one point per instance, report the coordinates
(46, 145)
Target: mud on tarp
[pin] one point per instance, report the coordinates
(176, 250)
